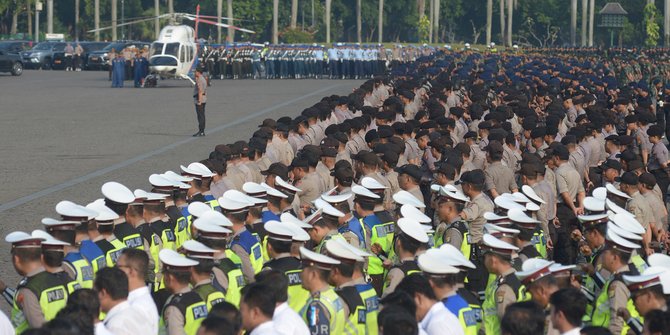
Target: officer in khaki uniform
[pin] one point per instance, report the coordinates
(410, 241)
(409, 178)
(306, 181)
(506, 288)
(456, 232)
(638, 206)
(499, 178)
(473, 184)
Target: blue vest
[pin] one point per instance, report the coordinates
(247, 240)
(269, 216)
(455, 304)
(91, 251)
(355, 227)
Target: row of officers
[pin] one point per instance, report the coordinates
(298, 62)
(203, 250)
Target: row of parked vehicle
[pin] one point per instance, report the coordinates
(17, 55)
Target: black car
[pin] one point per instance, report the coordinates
(59, 61)
(10, 59)
(41, 55)
(97, 60)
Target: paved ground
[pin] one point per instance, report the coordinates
(63, 134)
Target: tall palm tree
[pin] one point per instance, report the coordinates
(76, 18)
(592, 4)
(585, 20)
(489, 20)
(219, 14)
(666, 22)
(380, 22)
(510, 12)
(359, 23)
(502, 21)
(231, 31)
(114, 21)
(436, 22)
(573, 22)
(294, 14)
(275, 23)
(29, 16)
(96, 18)
(327, 19)
(50, 16)
(171, 6)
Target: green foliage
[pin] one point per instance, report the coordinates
(424, 29)
(652, 27)
(295, 36)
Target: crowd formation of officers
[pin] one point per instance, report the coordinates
(464, 194)
(339, 61)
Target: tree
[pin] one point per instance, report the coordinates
(510, 12)
(380, 22)
(573, 22)
(652, 27)
(424, 29)
(294, 13)
(359, 23)
(327, 20)
(502, 21)
(489, 21)
(275, 21)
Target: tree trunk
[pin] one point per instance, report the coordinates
(76, 19)
(510, 12)
(231, 31)
(573, 22)
(436, 22)
(157, 22)
(171, 7)
(327, 19)
(50, 16)
(96, 19)
(294, 14)
(585, 20)
(502, 22)
(666, 22)
(29, 15)
(114, 20)
(275, 22)
(219, 14)
(380, 22)
(15, 21)
(592, 13)
(489, 20)
(359, 23)
(421, 4)
(431, 18)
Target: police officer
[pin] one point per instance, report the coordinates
(526, 226)
(452, 229)
(117, 198)
(184, 310)
(104, 237)
(30, 306)
(70, 211)
(538, 278)
(201, 274)
(173, 189)
(506, 288)
(242, 243)
(281, 238)
(443, 279)
(325, 312)
(74, 263)
(53, 252)
(410, 240)
(353, 231)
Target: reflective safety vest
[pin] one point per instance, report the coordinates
(154, 242)
(382, 234)
(111, 249)
(183, 228)
(357, 310)
(540, 242)
(639, 263)
(490, 306)
(474, 303)
(93, 254)
(358, 228)
(127, 234)
(212, 202)
(251, 245)
(51, 293)
(407, 268)
(210, 295)
(82, 269)
(321, 246)
(192, 307)
(232, 267)
(292, 269)
(601, 312)
(163, 230)
(177, 222)
(371, 300)
(530, 251)
(466, 316)
(462, 227)
(71, 284)
(324, 313)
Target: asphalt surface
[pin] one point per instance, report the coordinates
(64, 134)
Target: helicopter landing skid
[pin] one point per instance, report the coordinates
(183, 76)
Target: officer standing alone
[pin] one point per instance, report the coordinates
(200, 99)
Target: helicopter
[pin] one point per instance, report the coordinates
(174, 53)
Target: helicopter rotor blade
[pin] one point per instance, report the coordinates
(222, 25)
(129, 23)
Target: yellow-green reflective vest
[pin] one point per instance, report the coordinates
(292, 269)
(639, 263)
(466, 316)
(324, 313)
(231, 266)
(540, 242)
(51, 292)
(357, 311)
(490, 306)
(111, 249)
(82, 269)
(371, 300)
(320, 248)
(382, 234)
(250, 244)
(601, 312)
(181, 231)
(192, 307)
(163, 230)
(210, 295)
(128, 235)
(474, 304)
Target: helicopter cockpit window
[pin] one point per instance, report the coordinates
(156, 49)
(172, 49)
(182, 54)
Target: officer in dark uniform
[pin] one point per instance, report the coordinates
(117, 198)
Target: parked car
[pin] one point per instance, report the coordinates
(59, 56)
(97, 60)
(10, 59)
(16, 46)
(41, 56)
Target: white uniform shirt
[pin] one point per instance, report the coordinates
(439, 320)
(266, 328)
(6, 325)
(125, 319)
(288, 322)
(332, 54)
(140, 298)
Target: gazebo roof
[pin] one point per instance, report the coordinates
(613, 8)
